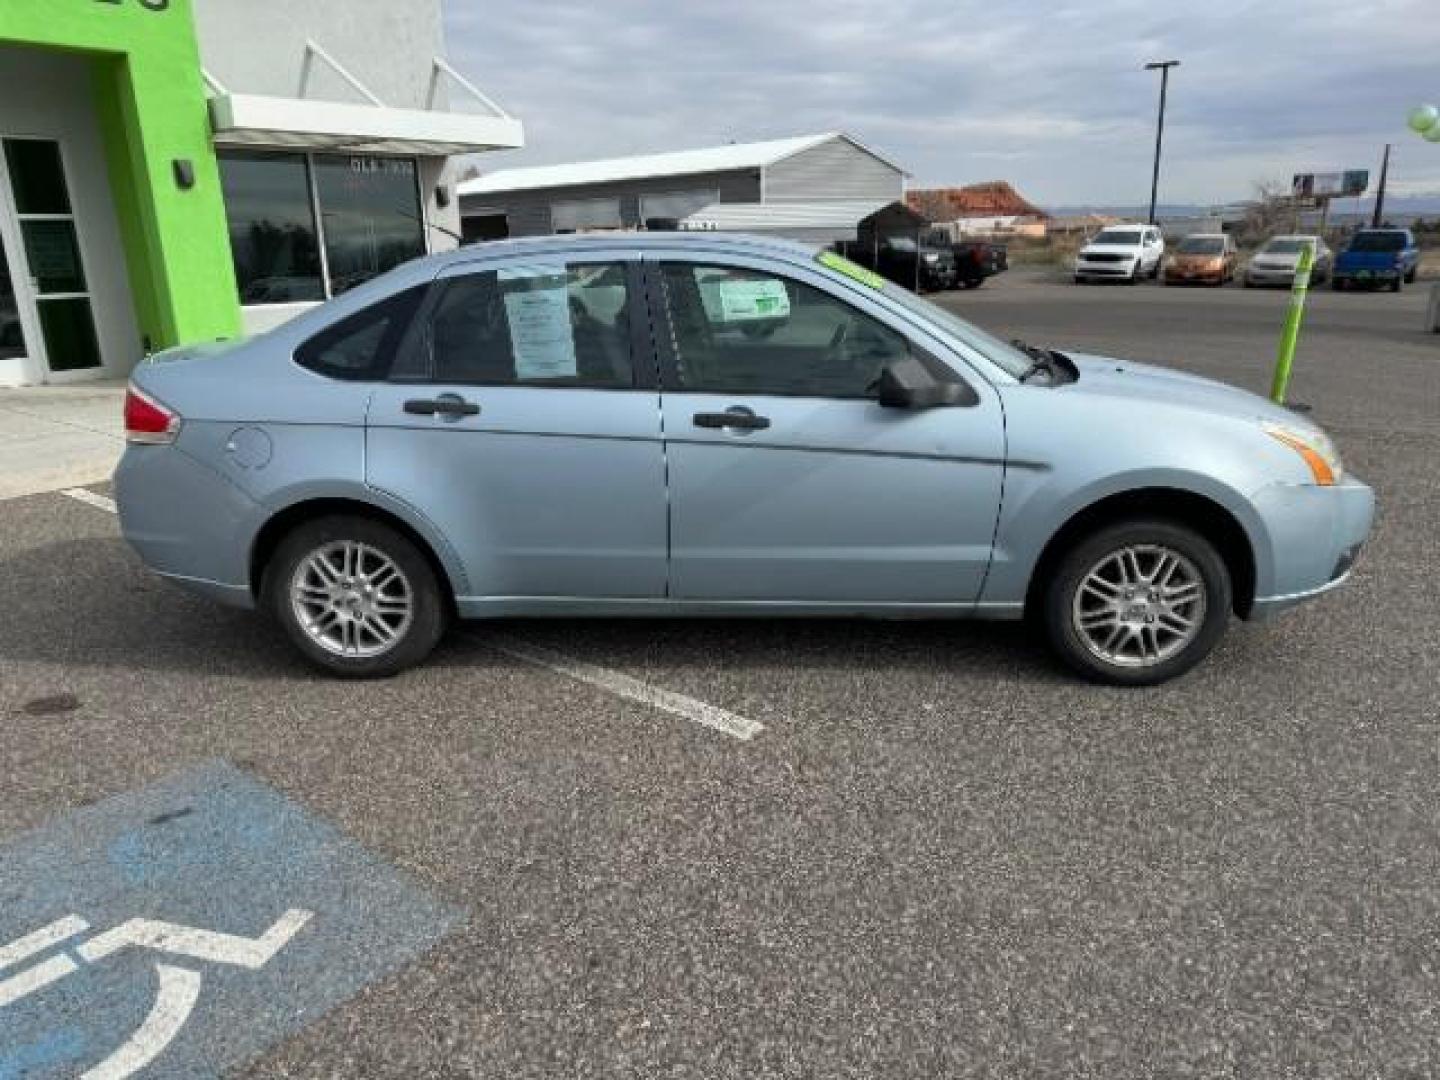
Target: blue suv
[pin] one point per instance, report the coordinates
(1377, 257)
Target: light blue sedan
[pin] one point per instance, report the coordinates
(714, 425)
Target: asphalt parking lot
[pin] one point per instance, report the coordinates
(935, 855)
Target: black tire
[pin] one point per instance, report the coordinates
(429, 607)
(1070, 571)
(1395, 285)
(1412, 275)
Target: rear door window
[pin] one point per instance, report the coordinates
(560, 324)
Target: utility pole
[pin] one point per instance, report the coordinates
(1379, 215)
(1164, 67)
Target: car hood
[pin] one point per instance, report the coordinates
(1110, 249)
(1104, 376)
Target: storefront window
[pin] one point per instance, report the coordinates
(370, 214)
(272, 227)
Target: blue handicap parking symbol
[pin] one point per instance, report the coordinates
(180, 930)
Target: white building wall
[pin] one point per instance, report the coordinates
(258, 46)
(51, 95)
(836, 169)
(390, 46)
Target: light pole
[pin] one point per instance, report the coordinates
(1164, 66)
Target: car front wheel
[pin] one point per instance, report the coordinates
(1137, 603)
(355, 596)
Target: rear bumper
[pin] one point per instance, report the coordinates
(1316, 535)
(186, 521)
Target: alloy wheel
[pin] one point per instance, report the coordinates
(1139, 606)
(352, 599)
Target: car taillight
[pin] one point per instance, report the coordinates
(147, 421)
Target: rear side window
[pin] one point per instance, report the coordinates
(362, 346)
(535, 325)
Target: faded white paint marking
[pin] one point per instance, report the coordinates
(198, 944)
(179, 990)
(42, 939)
(35, 978)
(100, 502)
(624, 686)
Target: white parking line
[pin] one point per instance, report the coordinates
(624, 686)
(100, 502)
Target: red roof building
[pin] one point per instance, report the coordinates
(993, 199)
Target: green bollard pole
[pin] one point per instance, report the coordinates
(1286, 356)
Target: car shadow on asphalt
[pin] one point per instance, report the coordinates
(89, 603)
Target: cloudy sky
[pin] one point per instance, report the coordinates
(1050, 96)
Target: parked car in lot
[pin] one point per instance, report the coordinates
(975, 260)
(1388, 257)
(577, 425)
(1202, 258)
(1121, 253)
(926, 265)
(1274, 262)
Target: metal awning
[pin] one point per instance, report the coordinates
(821, 222)
(307, 123)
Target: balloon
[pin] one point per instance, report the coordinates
(1424, 118)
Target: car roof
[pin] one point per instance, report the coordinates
(1205, 236)
(699, 239)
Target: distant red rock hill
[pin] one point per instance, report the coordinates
(995, 198)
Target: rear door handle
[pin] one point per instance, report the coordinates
(736, 417)
(447, 405)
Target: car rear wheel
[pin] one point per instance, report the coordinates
(355, 596)
(1137, 603)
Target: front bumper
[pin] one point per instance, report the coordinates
(1369, 277)
(1104, 270)
(1315, 536)
(1278, 276)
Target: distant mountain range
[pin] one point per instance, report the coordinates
(1397, 207)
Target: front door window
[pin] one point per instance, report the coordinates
(51, 252)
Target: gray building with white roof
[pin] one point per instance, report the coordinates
(813, 187)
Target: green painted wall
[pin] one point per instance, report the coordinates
(150, 101)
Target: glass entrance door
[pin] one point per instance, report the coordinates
(49, 258)
(12, 334)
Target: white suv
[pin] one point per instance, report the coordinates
(1121, 252)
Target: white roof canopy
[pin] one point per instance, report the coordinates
(307, 123)
(752, 155)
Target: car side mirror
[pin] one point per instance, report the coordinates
(909, 383)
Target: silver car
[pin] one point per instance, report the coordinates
(1274, 262)
(714, 425)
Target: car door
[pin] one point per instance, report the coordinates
(522, 419)
(788, 480)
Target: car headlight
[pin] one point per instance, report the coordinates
(932, 258)
(1315, 447)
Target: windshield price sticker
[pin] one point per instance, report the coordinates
(180, 930)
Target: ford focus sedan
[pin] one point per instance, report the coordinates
(714, 425)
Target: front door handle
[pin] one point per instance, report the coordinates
(736, 416)
(450, 406)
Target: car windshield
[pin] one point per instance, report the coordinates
(1378, 241)
(1117, 236)
(1284, 245)
(1005, 356)
(1201, 245)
